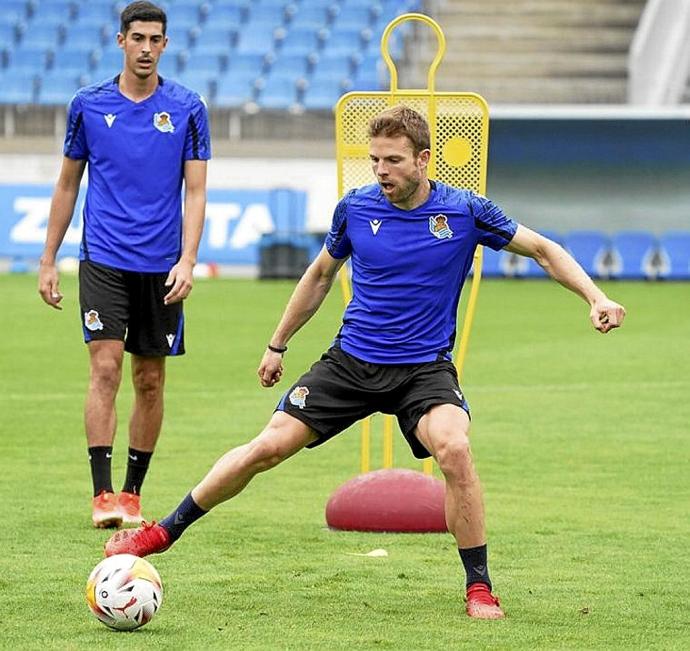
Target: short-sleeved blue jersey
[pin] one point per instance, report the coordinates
(408, 268)
(136, 153)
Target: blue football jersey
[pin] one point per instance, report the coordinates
(408, 269)
(136, 153)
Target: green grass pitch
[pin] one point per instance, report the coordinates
(582, 442)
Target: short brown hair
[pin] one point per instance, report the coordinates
(402, 121)
(146, 12)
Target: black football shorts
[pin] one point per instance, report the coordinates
(340, 389)
(128, 306)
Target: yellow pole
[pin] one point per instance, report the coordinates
(365, 440)
(387, 441)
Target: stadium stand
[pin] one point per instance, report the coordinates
(550, 51)
(633, 254)
(674, 250)
(205, 38)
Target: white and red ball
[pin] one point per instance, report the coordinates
(124, 592)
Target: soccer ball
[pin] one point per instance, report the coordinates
(124, 592)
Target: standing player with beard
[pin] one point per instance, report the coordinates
(411, 242)
(141, 136)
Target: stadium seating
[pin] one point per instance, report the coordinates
(329, 42)
(632, 255)
(674, 255)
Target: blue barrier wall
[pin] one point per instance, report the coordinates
(235, 222)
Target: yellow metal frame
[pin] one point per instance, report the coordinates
(460, 160)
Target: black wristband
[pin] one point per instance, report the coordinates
(277, 349)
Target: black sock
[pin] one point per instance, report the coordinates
(185, 514)
(99, 458)
(137, 465)
(476, 568)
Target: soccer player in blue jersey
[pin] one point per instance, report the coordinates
(140, 136)
(411, 242)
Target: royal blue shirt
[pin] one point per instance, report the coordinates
(136, 153)
(408, 268)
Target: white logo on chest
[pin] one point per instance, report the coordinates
(109, 119)
(163, 122)
(375, 225)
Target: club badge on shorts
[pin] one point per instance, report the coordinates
(298, 397)
(438, 225)
(163, 123)
(92, 321)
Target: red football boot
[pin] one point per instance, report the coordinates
(481, 603)
(149, 538)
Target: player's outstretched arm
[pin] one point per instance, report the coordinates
(61, 209)
(605, 314)
(181, 279)
(303, 304)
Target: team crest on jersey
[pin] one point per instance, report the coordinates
(298, 397)
(163, 123)
(438, 225)
(92, 321)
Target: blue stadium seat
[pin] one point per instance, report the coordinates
(203, 66)
(256, 39)
(227, 15)
(674, 251)
(183, 15)
(591, 249)
(42, 36)
(313, 16)
(277, 93)
(235, 89)
(215, 39)
(370, 73)
(16, 87)
(301, 40)
(324, 94)
(246, 65)
(352, 17)
(290, 66)
(29, 60)
(76, 61)
(108, 62)
(343, 42)
(261, 12)
(95, 13)
(203, 85)
(85, 36)
(178, 38)
(632, 255)
(14, 11)
(53, 13)
(57, 88)
(331, 67)
(8, 35)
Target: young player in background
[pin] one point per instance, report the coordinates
(141, 136)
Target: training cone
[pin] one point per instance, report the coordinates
(392, 499)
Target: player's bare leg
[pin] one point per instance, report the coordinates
(100, 421)
(444, 430)
(279, 440)
(148, 379)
